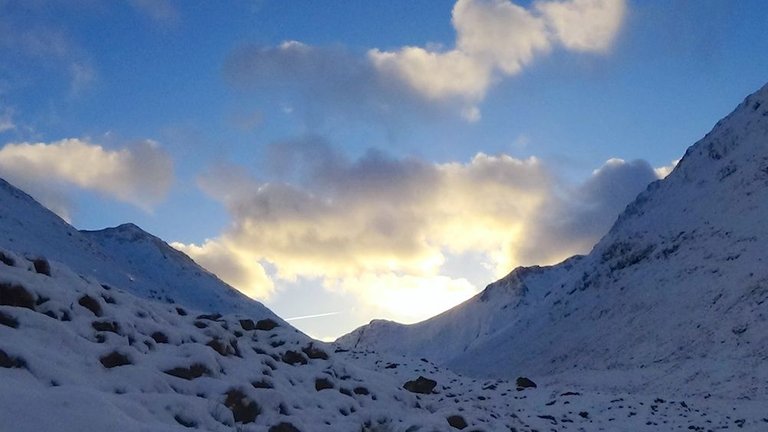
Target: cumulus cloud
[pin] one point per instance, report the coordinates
(496, 38)
(383, 228)
(141, 174)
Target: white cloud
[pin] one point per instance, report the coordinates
(141, 174)
(496, 38)
(584, 25)
(664, 171)
(383, 228)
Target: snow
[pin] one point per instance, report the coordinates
(661, 327)
(671, 300)
(124, 256)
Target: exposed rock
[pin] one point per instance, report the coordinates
(420, 385)
(91, 304)
(8, 361)
(106, 326)
(194, 371)
(42, 266)
(159, 337)
(115, 359)
(266, 324)
(457, 422)
(247, 324)
(524, 383)
(16, 295)
(314, 353)
(284, 427)
(323, 384)
(243, 408)
(294, 358)
(8, 320)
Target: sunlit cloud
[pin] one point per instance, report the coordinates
(494, 39)
(498, 38)
(664, 171)
(382, 228)
(140, 174)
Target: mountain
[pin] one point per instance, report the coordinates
(674, 298)
(661, 327)
(125, 257)
(77, 355)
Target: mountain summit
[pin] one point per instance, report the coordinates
(674, 297)
(125, 257)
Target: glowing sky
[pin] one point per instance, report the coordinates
(346, 160)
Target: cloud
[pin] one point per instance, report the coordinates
(497, 38)
(494, 39)
(41, 45)
(383, 228)
(140, 174)
(237, 266)
(322, 82)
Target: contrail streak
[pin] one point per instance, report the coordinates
(311, 316)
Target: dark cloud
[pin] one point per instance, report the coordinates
(325, 82)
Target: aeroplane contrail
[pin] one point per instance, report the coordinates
(311, 316)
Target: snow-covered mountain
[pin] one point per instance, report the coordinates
(125, 257)
(76, 355)
(661, 327)
(674, 298)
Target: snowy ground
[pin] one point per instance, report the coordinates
(77, 356)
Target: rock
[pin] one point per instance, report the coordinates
(420, 385)
(7, 361)
(294, 358)
(524, 383)
(284, 427)
(91, 304)
(323, 384)
(106, 326)
(314, 353)
(457, 421)
(8, 320)
(16, 295)
(114, 359)
(244, 410)
(247, 324)
(195, 370)
(159, 337)
(362, 391)
(266, 324)
(42, 266)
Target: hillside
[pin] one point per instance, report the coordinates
(76, 355)
(126, 257)
(672, 299)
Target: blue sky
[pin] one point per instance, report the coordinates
(302, 152)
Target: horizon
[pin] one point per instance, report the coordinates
(347, 162)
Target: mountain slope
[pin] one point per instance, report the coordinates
(76, 356)
(675, 293)
(125, 257)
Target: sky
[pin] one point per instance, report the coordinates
(343, 161)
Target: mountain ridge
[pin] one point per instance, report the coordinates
(125, 256)
(679, 279)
